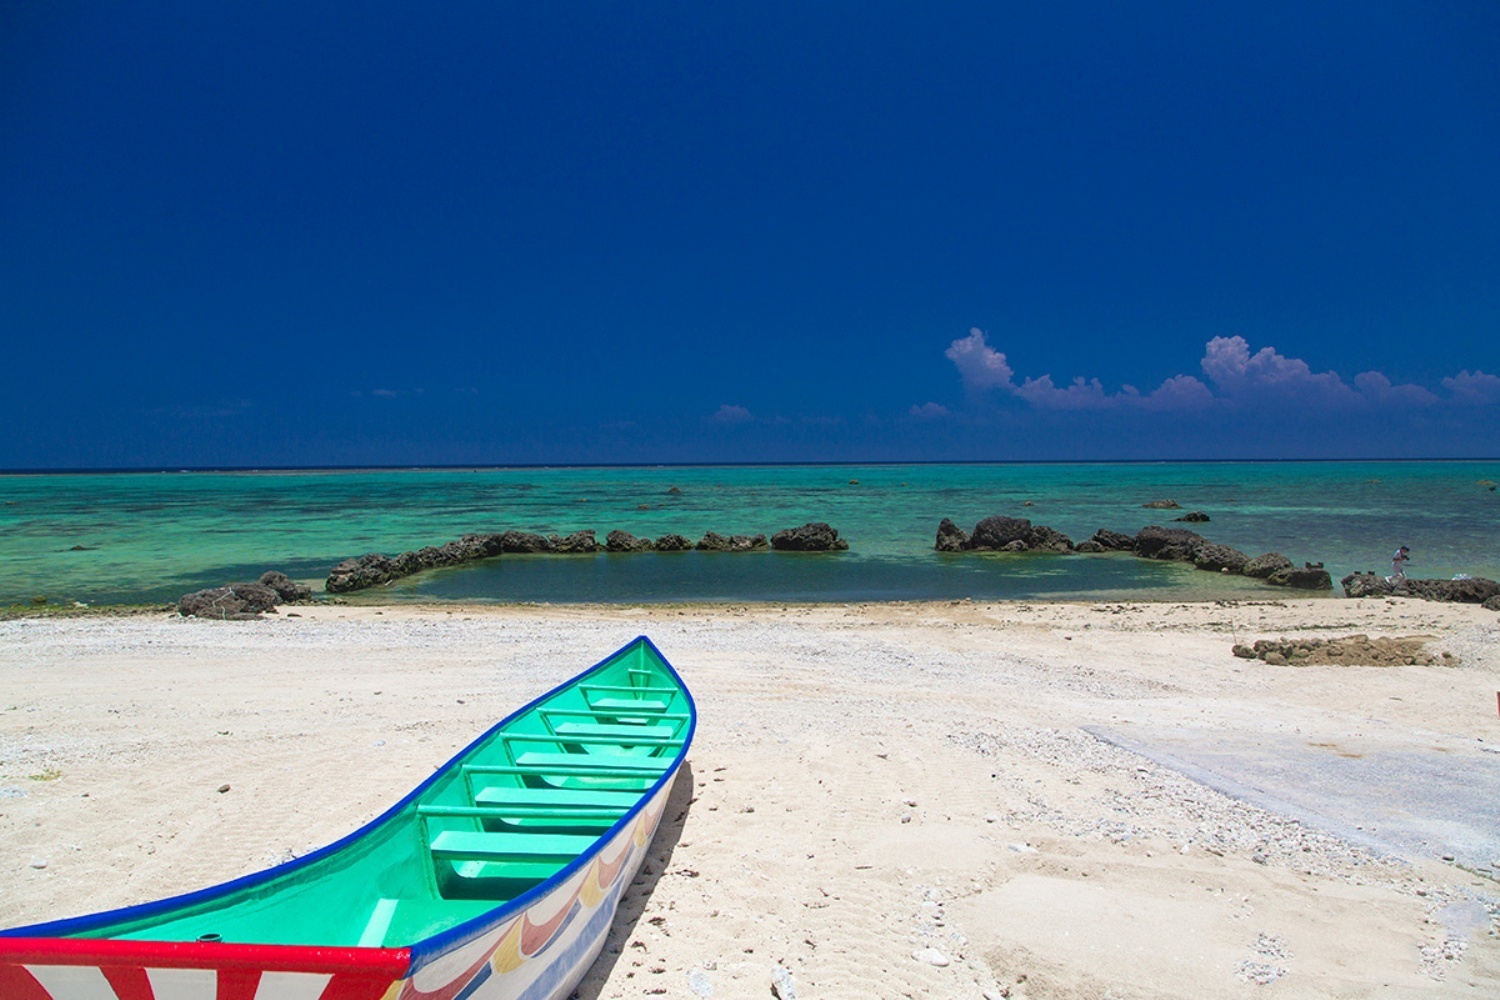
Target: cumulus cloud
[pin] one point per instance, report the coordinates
(731, 414)
(1234, 377)
(1228, 363)
(929, 411)
(1080, 394)
(1473, 389)
(981, 366)
(1379, 389)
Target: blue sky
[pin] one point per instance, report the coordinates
(292, 234)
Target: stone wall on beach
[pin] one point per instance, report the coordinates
(375, 569)
(1017, 534)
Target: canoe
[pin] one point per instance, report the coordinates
(495, 879)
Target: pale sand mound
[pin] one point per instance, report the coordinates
(882, 801)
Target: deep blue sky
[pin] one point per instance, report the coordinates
(301, 234)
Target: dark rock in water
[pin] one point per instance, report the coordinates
(815, 536)
(286, 588)
(675, 489)
(673, 543)
(1044, 539)
(1301, 579)
(361, 572)
(712, 541)
(1162, 505)
(1264, 565)
(1111, 541)
(1196, 516)
(1089, 545)
(80, 548)
(579, 542)
(524, 541)
(951, 538)
(1475, 590)
(999, 531)
(1218, 558)
(748, 543)
(1176, 544)
(624, 541)
(1002, 534)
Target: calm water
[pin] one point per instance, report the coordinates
(153, 536)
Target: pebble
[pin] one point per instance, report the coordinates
(39, 862)
(931, 956)
(699, 984)
(782, 985)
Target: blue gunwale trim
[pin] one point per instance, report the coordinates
(425, 951)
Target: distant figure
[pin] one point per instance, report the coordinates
(1398, 565)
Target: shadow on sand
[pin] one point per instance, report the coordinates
(633, 903)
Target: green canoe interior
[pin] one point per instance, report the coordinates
(512, 812)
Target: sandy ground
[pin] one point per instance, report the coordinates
(926, 800)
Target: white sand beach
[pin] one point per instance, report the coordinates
(963, 800)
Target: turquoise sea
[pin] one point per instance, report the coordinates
(150, 536)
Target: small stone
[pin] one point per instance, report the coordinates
(699, 984)
(931, 956)
(39, 863)
(223, 789)
(782, 985)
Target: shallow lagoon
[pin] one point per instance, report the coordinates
(152, 536)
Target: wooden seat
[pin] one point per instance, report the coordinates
(625, 733)
(556, 799)
(627, 705)
(602, 764)
(469, 845)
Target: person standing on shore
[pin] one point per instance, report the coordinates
(1398, 565)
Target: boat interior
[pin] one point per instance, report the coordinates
(508, 813)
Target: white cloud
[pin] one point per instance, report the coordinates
(731, 414)
(1377, 388)
(929, 411)
(1473, 389)
(1228, 363)
(980, 366)
(1180, 392)
(1080, 394)
(1236, 377)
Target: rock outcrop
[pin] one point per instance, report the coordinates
(361, 572)
(239, 601)
(1174, 544)
(950, 537)
(578, 543)
(1220, 558)
(524, 541)
(712, 541)
(1264, 565)
(1475, 590)
(1162, 505)
(815, 536)
(624, 541)
(1352, 651)
(1111, 541)
(1309, 577)
(1193, 516)
(674, 543)
(1001, 534)
(289, 590)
